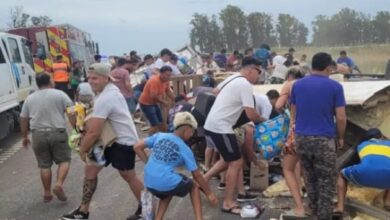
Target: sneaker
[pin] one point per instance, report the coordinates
(246, 198)
(137, 215)
(221, 186)
(76, 214)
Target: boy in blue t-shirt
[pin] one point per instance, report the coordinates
(373, 170)
(169, 151)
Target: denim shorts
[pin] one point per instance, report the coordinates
(152, 113)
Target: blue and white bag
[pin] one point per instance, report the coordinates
(270, 136)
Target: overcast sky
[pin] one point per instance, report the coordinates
(150, 25)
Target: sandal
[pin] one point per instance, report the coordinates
(47, 199)
(59, 192)
(292, 212)
(230, 210)
(337, 215)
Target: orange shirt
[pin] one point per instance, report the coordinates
(154, 84)
(60, 72)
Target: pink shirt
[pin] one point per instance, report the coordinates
(122, 76)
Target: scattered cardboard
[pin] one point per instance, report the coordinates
(259, 176)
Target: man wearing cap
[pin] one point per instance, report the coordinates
(168, 152)
(45, 110)
(110, 105)
(235, 95)
(371, 169)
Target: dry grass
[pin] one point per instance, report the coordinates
(371, 59)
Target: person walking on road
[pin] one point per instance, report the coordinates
(317, 102)
(109, 105)
(44, 111)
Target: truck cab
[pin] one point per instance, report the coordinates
(17, 79)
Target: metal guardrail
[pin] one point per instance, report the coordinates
(185, 83)
(181, 85)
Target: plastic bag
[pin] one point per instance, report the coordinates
(74, 140)
(270, 136)
(149, 204)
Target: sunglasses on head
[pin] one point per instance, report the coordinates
(258, 70)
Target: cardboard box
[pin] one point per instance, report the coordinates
(259, 176)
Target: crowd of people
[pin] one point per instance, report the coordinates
(317, 128)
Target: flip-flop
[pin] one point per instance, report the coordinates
(292, 212)
(337, 215)
(230, 210)
(59, 192)
(47, 199)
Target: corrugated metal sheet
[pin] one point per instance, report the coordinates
(356, 93)
(368, 103)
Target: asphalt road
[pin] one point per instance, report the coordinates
(21, 191)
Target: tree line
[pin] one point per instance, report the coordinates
(233, 29)
(20, 19)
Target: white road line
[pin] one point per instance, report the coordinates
(5, 155)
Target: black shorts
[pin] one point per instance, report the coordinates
(121, 157)
(181, 190)
(226, 144)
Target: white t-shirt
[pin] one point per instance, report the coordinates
(175, 69)
(158, 64)
(263, 105)
(111, 105)
(278, 60)
(280, 71)
(229, 104)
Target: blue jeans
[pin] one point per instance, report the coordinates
(152, 113)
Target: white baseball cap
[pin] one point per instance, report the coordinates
(184, 118)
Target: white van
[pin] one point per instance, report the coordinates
(17, 79)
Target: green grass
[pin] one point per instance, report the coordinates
(371, 58)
